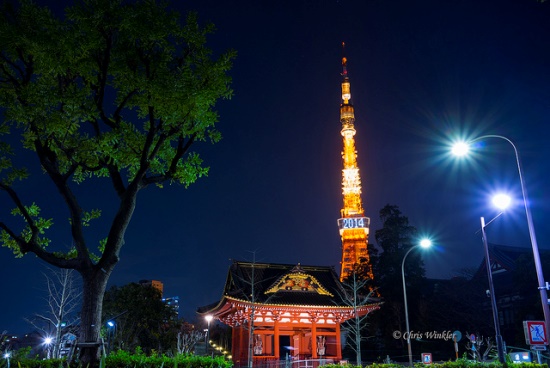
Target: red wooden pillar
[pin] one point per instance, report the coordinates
(276, 334)
(314, 337)
(338, 342)
(236, 345)
(244, 345)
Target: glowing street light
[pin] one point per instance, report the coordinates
(48, 342)
(110, 335)
(111, 330)
(461, 149)
(501, 201)
(7, 356)
(424, 243)
(208, 319)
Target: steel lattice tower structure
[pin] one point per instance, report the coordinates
(353, 225)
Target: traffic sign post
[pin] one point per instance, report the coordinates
(536, 336)
(427, 358)
(456, 338)
(535, 333)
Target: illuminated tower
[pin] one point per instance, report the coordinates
(354, 226)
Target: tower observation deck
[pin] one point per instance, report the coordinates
(353, 225)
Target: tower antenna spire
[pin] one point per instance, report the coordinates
(353, 225)
(344, 60)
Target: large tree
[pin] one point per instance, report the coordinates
(139, 317)
(116, 91)
(394, 240)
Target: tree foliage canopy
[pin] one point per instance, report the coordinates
(394, 240)
(142, 319)
(101, 95)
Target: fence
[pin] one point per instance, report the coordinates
(289, 363)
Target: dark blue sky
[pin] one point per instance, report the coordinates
(422, 73)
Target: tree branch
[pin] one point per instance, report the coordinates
(48, 160)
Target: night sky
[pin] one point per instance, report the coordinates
(422, 74)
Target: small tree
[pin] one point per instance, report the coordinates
(480, 347)
(246, 276)
(356, 294)
(188, 337)
(117, 90)
(63, 298)
(250, 280)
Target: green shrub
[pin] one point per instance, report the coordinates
(124, 359)
(460, 363)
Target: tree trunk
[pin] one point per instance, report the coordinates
(94, 285)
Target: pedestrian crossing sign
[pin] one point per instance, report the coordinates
(535, 332)
(427, 358)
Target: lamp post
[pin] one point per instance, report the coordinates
(461, 149)
(502, 202)
(208, 319)
(424, 243)
(111, 329)
(7, 355)
(110, 337)
(48, 342)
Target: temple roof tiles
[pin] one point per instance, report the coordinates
(281, 285)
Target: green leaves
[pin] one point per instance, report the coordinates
(117, 90)
(34, 230)
(88, 216)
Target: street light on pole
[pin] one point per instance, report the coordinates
(501, 201)
(111, 330)
(424, 243)
(461, 149)
(110, 335)
(208, 319)
(7, 355)
(48, 342)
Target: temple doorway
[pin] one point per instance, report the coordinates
(285, 348)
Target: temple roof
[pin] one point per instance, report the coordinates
(281, 285)
(503, 258)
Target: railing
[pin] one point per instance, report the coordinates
(269, 362)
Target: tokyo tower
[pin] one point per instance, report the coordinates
(353, 225)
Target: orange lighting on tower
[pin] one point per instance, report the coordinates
(353, 225)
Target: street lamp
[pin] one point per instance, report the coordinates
(208, 319)
(110, 335)
(461, 149)
(7, 355)
(111, 331)
(48, 342)
(501, 201)
(424, 243)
